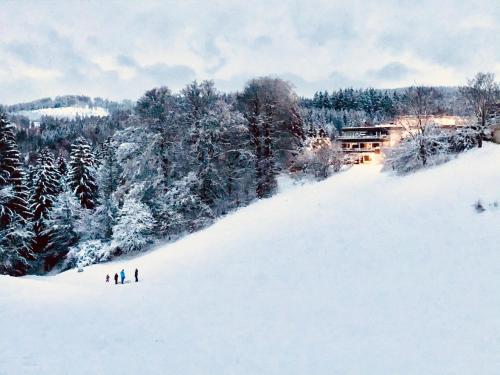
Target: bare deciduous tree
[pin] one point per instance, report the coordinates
(420, 103)
(481, 92)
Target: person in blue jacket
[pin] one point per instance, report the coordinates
(122, 276)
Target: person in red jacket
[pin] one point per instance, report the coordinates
(116, 278)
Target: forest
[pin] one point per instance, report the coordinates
(74, 192)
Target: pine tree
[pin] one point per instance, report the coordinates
(107, 178)
(62, 166)
(60, 227)
(15, 247)
(46, 187)
(82, 173)
(15, 233)
(11, 175)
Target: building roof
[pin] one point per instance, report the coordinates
(374, 127)
(362, 139)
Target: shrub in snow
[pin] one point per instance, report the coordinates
(87, 253)
(320, 157)
(424, 148)
(134, 228)
(464, 139)
(478, 206)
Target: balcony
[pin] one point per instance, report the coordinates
(363, 136)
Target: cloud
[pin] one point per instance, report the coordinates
(119, 50)
(393, 71)
(173, 76)
(125, 60)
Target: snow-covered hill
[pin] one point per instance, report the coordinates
(364, 273)
(64, 112)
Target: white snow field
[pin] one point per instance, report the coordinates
(65, 112)
(364, 273)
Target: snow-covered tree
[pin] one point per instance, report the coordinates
(62, 166)
(275, 126)
(82, 173)
(11, 176)
(464, 139)
(424, 148)
(107, 178)
(87, 253)
(15, 246)
(15, 228)
(481, 93)
(320, 157)
(46, 187)
(134, 229)
(183, 211)
(60, 227)
(221, 150)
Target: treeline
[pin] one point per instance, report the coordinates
(77, 192)
(171, 167)
(356, 107)
(59, 133)
(68, 101)
(371, 101)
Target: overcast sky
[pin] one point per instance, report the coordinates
(119, 49)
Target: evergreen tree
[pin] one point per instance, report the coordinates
(62, 167)
(60, 228)
(15, 231)
(11, 176)
(15, 246)
(82, 173)
(107, 178)
(46, 187)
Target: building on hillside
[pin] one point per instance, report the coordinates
(364, 144)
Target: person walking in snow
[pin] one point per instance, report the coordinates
(136, 274)
(122, 276)
(107, 278)
(116, 278)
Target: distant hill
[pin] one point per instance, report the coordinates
(67, 106)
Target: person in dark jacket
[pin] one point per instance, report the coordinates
(136, 274)
(107, 278)
(116, 278)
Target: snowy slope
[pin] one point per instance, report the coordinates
(65, 112)
(364, 273)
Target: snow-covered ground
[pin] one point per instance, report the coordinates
(65, 112)
(364, 273)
